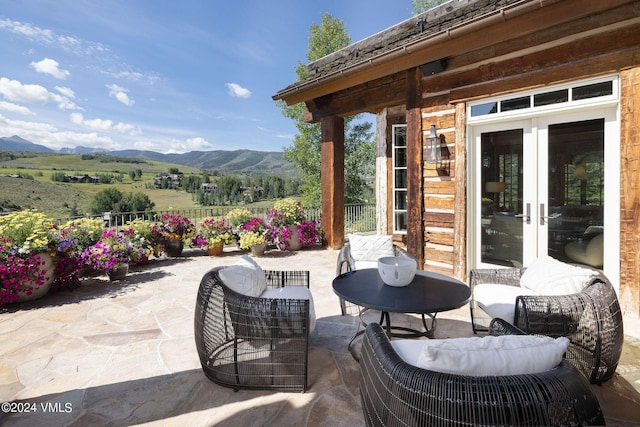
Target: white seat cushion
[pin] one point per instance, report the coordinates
(499, 300)
(548, 276)
(370, 247)
(244, 277)
(294, 292)
(484, 356)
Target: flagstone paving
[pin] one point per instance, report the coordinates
(122, 353)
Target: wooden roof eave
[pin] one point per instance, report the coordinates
(448, 42)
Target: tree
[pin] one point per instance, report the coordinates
(105, 200)
(113, 200)
(324, 39)
(423, 5)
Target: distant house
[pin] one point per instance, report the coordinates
(167, 180)
(534, 147)
(208, 187)
(82, 179)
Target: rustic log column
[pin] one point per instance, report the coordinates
(629, 292)
(332, 181)
(415, 178)
(460, 213)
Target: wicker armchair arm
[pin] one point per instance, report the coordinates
(499, 276)
(500, 326)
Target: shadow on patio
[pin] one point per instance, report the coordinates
(123, 353)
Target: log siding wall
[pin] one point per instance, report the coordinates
(439, 193)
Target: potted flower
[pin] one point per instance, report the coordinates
(76, 235)
(213, 234)
(112, 254)
(254, 235)
(309, 232)
(140, 232)
(237, 218)
(284, 219)
(171, 230)
(26, 248)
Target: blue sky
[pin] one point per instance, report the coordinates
(160, 75)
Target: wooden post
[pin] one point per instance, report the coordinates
(332, 181)
(415, 194)
(460, 213)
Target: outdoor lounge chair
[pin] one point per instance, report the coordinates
(368, 249)
(249, 342)
(590, 318)
(397, 393)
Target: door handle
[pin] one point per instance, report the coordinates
(542, 217)
(527, 216)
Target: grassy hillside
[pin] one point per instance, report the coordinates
(57, 198)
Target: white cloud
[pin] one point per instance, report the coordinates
(190, 144)
(105, 125)
(15, 91)
(51, 67)
(48, 37)
(237, 91)
(50, 136)
(120, 93)
(14, 108)
(65, 91)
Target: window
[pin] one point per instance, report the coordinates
(564, 96)
(399, 174)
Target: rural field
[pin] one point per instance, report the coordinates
(36, 190)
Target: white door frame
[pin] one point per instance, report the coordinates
(535, 125)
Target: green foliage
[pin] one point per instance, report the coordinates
(113, 200)
(324, 39)
(107, 158)
(423, 5)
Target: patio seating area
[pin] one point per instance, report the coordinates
(123, 353)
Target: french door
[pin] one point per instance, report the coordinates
(546, 185)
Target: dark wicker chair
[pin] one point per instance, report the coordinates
(591, 319)
(253, 343)
(395, 393)
(347, 263)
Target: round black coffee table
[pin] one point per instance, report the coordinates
(428, 294)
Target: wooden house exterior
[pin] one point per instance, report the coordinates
(536, 106)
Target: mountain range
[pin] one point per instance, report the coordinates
(236, 161)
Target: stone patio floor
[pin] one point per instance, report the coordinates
(123, 354)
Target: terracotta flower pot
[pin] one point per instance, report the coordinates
(215, 250)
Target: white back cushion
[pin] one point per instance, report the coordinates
(548, 276)
(484, 356)
(370, 247)
(244, 277)
(499, 300)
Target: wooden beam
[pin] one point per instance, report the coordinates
(369, 97)
(415, 197)
(591, 56)
(332, 181)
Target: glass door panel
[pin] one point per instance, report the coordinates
(502, 189)
(575, 219)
